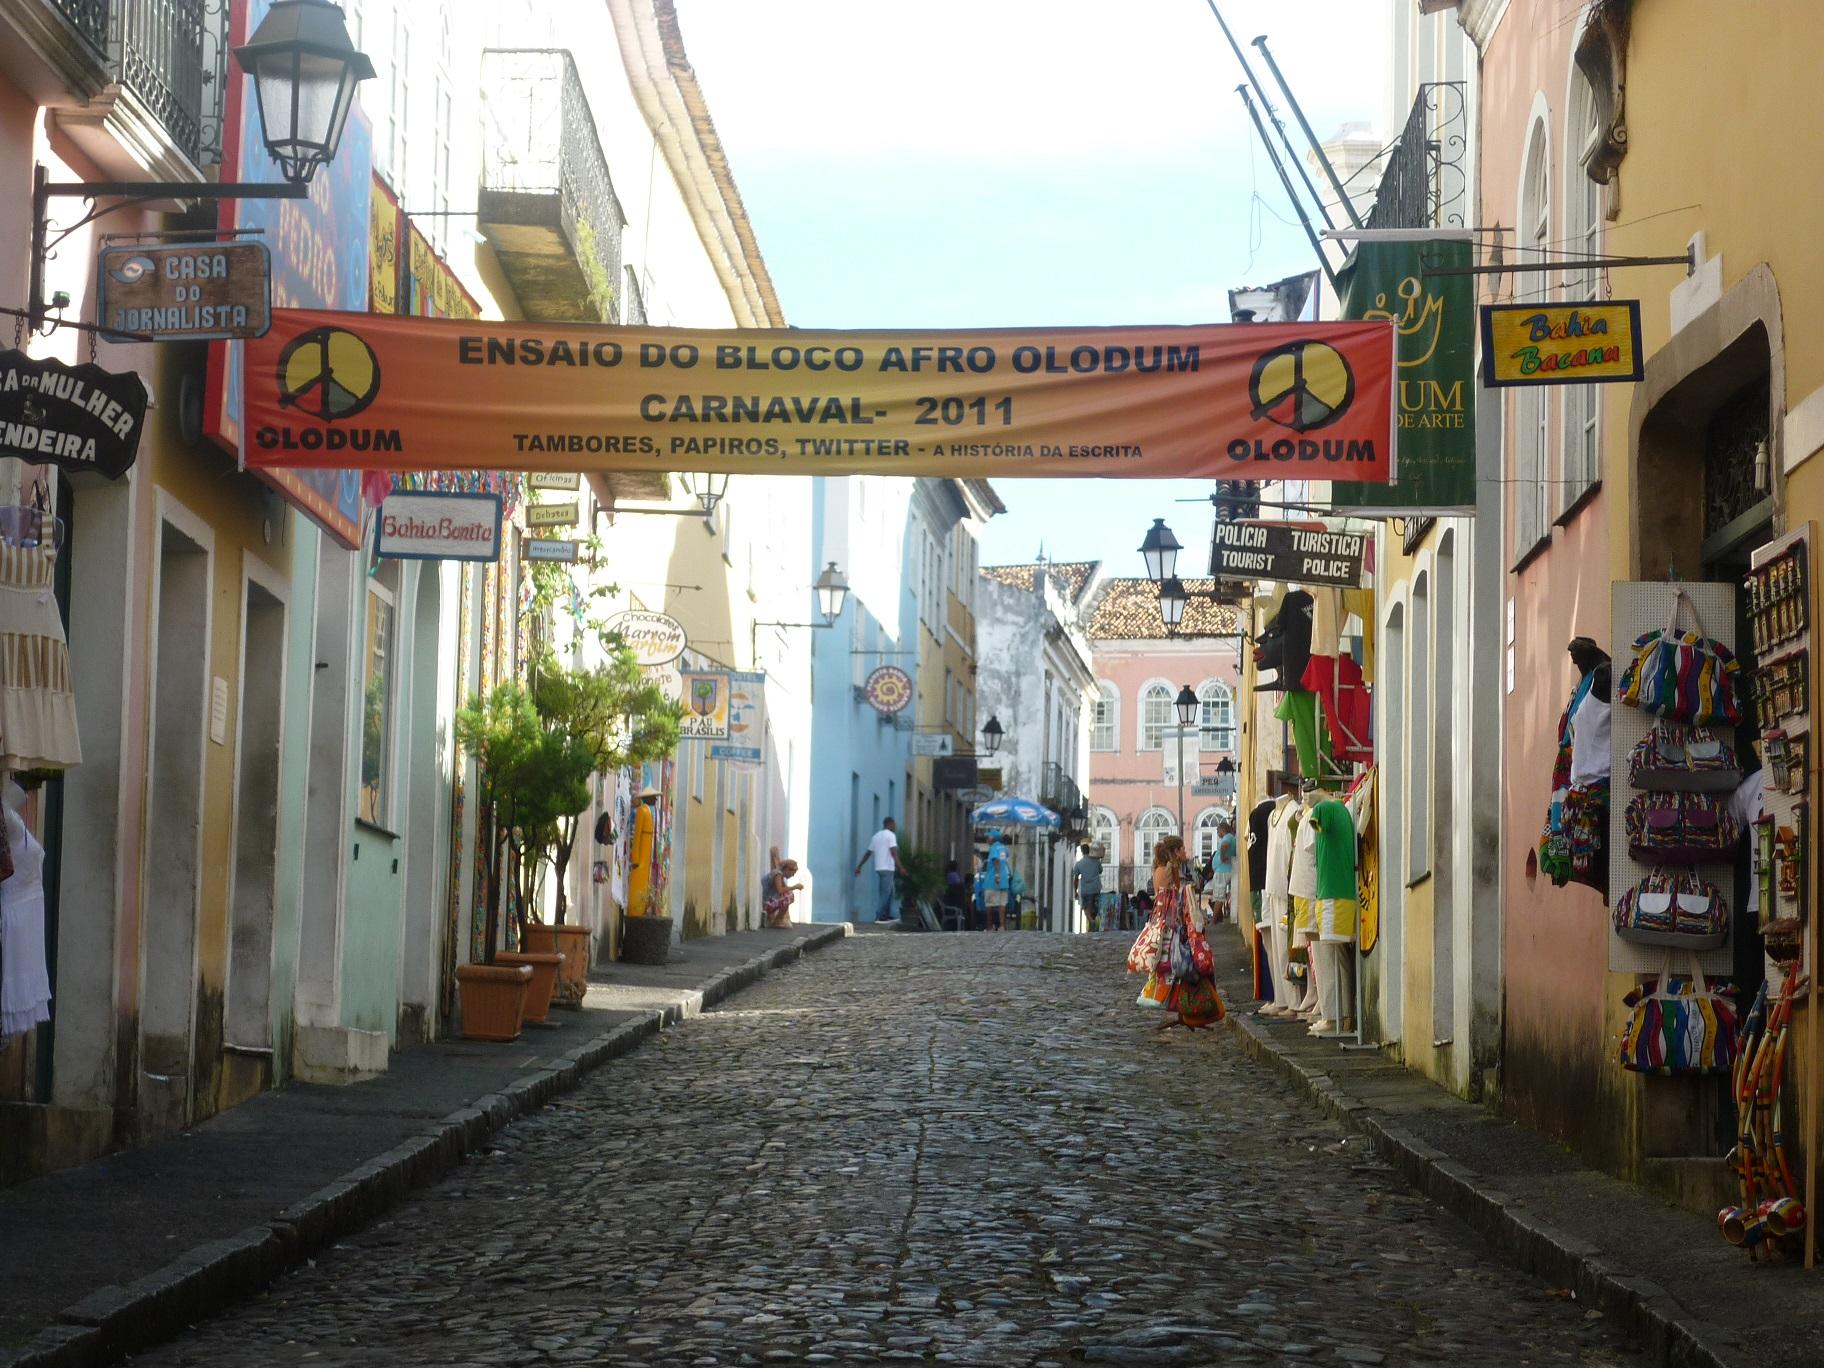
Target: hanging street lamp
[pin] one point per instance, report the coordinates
(1173, 597)
(304, 71)
(1160, 550)
(992, 736)
(832, 592)
(710, 490)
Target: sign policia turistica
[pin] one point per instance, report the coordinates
(1309, 401)
(74, 417)
(1293, 553)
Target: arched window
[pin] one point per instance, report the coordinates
(1105, 721)
(1153, 824)
(1206, 831)
(1156, 716)
(1532, 446)
(1103, 838)
(1583, 237)
(1216, 717)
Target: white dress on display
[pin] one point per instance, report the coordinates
(25, 985)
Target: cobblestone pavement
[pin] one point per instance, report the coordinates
(962, 1149)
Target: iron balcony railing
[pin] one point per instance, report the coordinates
(170, 53)
(87, 17)
(1425, 182)
(541, 140)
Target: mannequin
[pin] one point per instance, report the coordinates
(25, 986)
(1258, 819)
(1335, 914)
(1285, 643)
(1276, 901)
(640, 852)
(1574, 846)
(1302, 886)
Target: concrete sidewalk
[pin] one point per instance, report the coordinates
(99, 1259)
(1688, 1297)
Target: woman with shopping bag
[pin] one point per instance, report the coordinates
(1172, 950)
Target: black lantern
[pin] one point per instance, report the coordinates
(1172, 601)
(1187, 705)
(304, 71)
(992, 735)
(710, 491)
(832, 592)
(1160, 550)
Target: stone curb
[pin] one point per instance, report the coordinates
(1670, 1335)
(113, 1321)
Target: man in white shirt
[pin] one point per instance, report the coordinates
(883, 850)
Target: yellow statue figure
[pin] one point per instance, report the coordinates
(640, 851)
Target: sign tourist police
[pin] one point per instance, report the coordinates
(655, 638)
(75, 417)
(1272, 400)
(425, 525)
(192, 291)
(1561, 344)
(1295, 553)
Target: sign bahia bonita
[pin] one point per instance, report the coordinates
(371, 391)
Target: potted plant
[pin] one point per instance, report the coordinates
(501, 731)
(921, 887)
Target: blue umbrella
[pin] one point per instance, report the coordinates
(1018, 811)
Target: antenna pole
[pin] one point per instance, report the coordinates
(1323, 159)
(1267, 106)
(1291, 194)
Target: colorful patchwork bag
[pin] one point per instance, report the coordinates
(1680, 828)
(1676, 756)
(1681, 1026)
(1673, 908)
(1683, 675)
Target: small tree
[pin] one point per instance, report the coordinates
(595, 719)
(501, 730)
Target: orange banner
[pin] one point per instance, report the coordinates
(1309, 401)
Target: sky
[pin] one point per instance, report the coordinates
(1025, 163)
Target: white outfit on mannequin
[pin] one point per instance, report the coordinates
(1276, 903)
(1302, 886)
(25, 986)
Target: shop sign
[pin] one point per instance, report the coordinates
(186, 292)
(668, 679)
(705, 705)
(1309, 401)
(889, 689)
(974, 796)
(655, 638)
(429, 525)
(1293, 553)
(955, 774)
(933, 743)
(552, 514)
(545, 479)
(1597, 342)
(73, 417)
(539, 549)
(319, 260)
(1435, 318)
(746, 719)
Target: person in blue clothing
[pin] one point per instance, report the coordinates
(997, 883)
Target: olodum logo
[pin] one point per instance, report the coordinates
(328, 375)
(1303, 386)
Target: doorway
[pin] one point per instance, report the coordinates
(247, 1021)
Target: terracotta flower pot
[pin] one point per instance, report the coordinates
(493, 996)
(572, 942)
(544, 968)
(646, 940)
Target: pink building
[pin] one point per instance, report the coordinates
(1136, 794)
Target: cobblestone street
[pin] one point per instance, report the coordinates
(913, 1148)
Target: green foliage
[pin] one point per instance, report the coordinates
(924, 876)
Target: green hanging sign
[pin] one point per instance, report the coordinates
(1436, 319)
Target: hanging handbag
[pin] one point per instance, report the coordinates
(1683, 675)
(1674, 756)
(1673, 908)
(1680, 828)
(1681, 1026)
(1184, 961)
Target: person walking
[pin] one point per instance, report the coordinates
(1171, 949)
(1221, 888)
(1089, 887)
(883, 850)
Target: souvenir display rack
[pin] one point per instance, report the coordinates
(1635, 608)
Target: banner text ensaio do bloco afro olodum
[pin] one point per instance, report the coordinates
(1218, 401)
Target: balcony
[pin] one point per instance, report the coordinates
(1059, 792)
(159, 114)
(547, 203)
